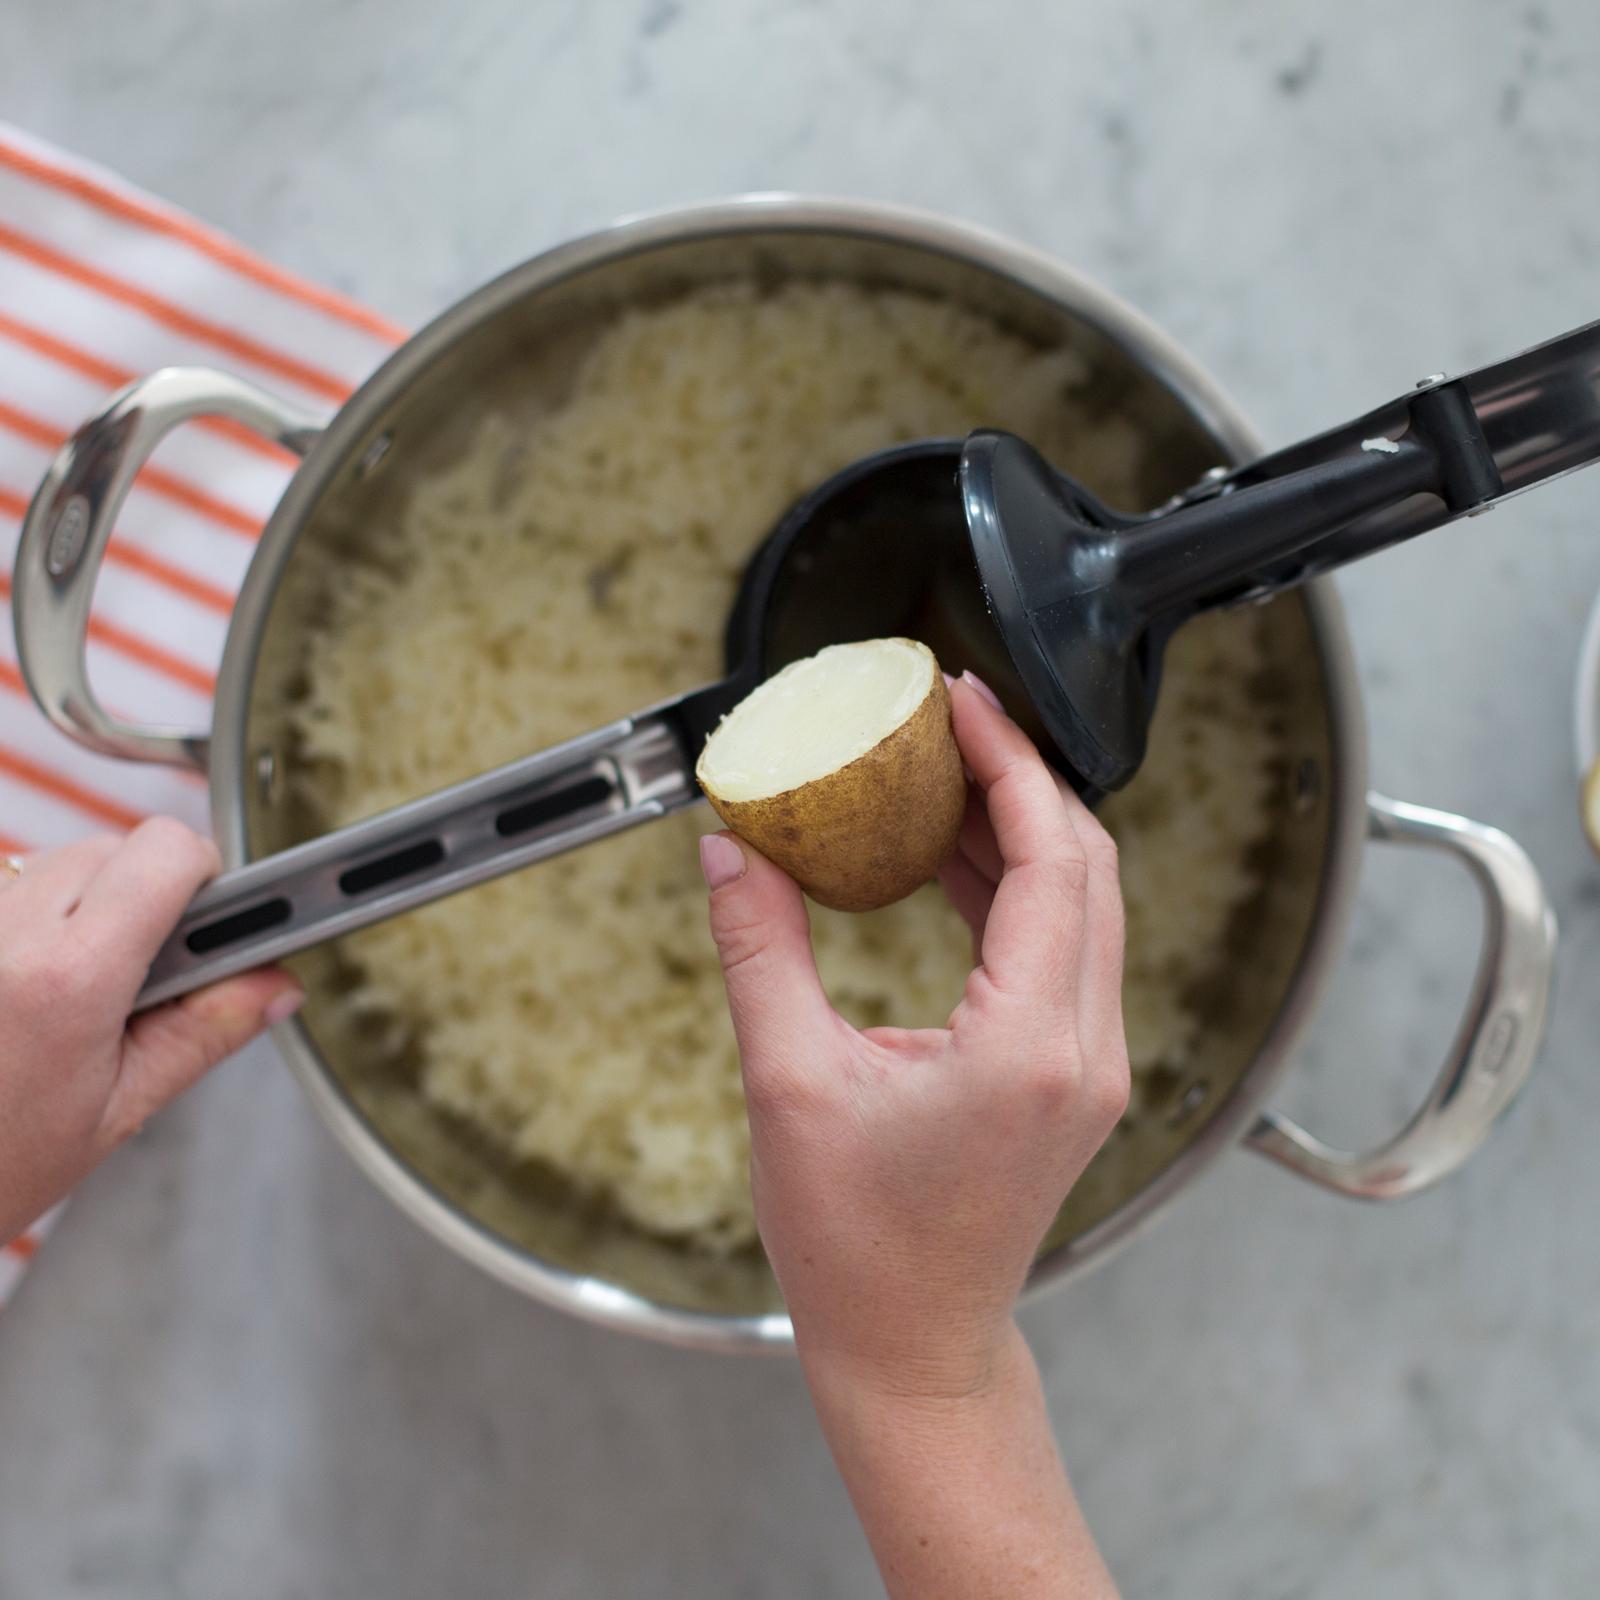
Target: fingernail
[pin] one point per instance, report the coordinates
(973, 681)
(949, 682)
(283, 1006)
(721, 860)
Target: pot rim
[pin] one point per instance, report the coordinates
(780, 212)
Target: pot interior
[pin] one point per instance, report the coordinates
(513, 352)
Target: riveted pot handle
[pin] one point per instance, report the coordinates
(1497, 1041)
(65, 532)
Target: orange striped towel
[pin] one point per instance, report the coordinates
(100, 283)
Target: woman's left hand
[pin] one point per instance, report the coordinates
(79, 928)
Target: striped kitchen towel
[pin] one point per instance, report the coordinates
(100, 283)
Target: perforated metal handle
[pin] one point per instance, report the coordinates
(68, 525)
(570, 795)
(1499, 1037)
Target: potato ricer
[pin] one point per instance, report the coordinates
(978, 547)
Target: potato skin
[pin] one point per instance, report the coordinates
(875, 830)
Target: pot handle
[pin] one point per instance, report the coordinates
(1495, 1045)
(65, 532)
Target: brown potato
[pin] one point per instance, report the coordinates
(843, 769)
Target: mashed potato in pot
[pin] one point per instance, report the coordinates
(555, 578)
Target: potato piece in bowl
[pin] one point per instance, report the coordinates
(843, 769)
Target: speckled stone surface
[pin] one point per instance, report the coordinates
(237, 1371)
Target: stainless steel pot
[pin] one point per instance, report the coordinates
(524, 330)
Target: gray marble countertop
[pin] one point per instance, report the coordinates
(238, 1371)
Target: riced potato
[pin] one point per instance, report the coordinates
(562, 574)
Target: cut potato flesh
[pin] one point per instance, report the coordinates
(844, 770)
(816, 716)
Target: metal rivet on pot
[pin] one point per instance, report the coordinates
(1430, 380)
(373, 455)
(1193, 1098)
(266, 774)
(68, 537)
(1307, 786)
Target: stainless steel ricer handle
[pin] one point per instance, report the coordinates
(572, 794)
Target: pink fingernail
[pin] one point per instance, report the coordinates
(721, 860)
(973, 681)
(949, 682)
(283, 1006)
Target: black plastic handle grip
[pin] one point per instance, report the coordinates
(1493, 432)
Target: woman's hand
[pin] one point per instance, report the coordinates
(904, 1179)
(78, 930)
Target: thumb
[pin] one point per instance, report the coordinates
(171, 1047)
(763, 938)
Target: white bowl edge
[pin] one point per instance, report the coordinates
(1587, 699)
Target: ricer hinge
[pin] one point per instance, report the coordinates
(1444, 419)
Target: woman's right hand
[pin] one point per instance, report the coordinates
(904, 1178)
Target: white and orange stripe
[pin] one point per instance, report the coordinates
(99, 284)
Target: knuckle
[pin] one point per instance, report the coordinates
(740, 946)
(159, 830)
(1062, 1087)
(1068, 876)
(1110, 1086)
(172, 840)
(1055, 1083)
(742, 936)
(776, 1092)
(979, 988)
(124, 1119)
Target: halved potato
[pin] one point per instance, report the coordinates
(843, 769)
